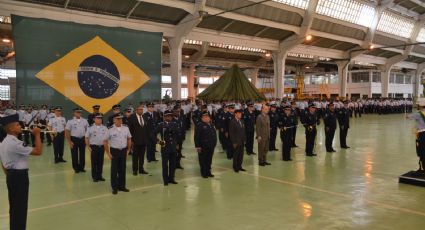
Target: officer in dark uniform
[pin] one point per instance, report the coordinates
(286, 126)
(90, 118)
(205, 142)
(152, 118)
(181, 124)
(126, 116)
(295, 113)
(274, 121)
(310, 120)
(249, 119)
(344, 124)
(14, 158)
(329, 118)
(116, 109)
(196, 115)
(228, 116)
(219, 125)
(169, 137)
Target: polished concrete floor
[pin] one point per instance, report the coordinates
(350, 189)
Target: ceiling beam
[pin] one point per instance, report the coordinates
(132, 9)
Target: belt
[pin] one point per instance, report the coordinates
(421, 130)
(97, 145)
(118, 148)
(78, 137)
(17, 170)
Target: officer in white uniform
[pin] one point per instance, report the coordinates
(75, 131)
(96, 137)
(57, 125)
(14, 158)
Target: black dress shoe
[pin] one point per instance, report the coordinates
(333, 150)
(267, 163)
(56, 161)
(345, 147)
(183, 156)
(124, 189)
(143, 172)
(154, 160)
(211, 175)
(76, 171)
(172, 182)
(203, 176)
(253, 153)
(134, 173)
(242, 169)
(294, 146)
(165, 184)
(82, 170)
(179, 167)
(114, 191)
(275, 149)
(101, 179)
(261, 164)
(49, 144)
(328, 151)
(62, 160)
(95, 180)
(236, 171)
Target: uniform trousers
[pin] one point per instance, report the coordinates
(78, 153)
(97, 157)
(118, 165)
(58, 145)
(17, 186)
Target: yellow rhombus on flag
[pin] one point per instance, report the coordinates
(106, 78)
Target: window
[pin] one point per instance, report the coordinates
(317, 80)
(7, 73)
(192, 42)
(165, 91)
(376, 77)
(5, 19)
(184, 93)
(233, 47)
(166, 79)
(395, 24)
(359, 77)
(399, 78)
(184, 80)
(295, 3)
(407, 79)
(347, 10)
(5, 92)
(333, 79)
(421, 36)
(392, 78)
(200, 90)
(207, 80)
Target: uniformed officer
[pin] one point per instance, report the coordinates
(57, 125)
(117, 148)
(274, 120)
(91, 117)
(50, 115)
(344, 124)
(169, 136)
(310, 120)
(205, 142)
(295, 113)
(249, 118)
(75, 131)
(152, 118)
(42, 119)
(219, 125)
(237, 140)
(96, 137)
(181, 125)
(29, 119)
(419, 118)
(127, 114)
(14, 158)
(286, 126)
(116, 109)
(21, 112)
(228, 116)
(329, 118)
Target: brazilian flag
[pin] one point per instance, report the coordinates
(70, 64)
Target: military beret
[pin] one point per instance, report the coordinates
(9, 119)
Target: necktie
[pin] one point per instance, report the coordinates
(141, 121)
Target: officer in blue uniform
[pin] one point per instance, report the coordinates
(295, 113)
(117, 148)
(91, 117)
(274, 121)
(249, 118)
(96, 136)
(205, 142)
(310, 120)
(116, 109)
(152, 118)
(181, 124)
(14, 158)
(169, 138)
(228, 116)
(219, 125)
(286, 126)
(75, 131)
(344, 124)
(57, 125)
(329, 118)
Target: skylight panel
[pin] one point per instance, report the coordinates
(347, 10)
(295, 3)
(421, 36)
(395, 24)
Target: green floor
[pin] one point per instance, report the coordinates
(350, 189)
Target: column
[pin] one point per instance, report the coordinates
(191, 82)
(279, 59)
(342, 77)
(176, 67)
(385, 81)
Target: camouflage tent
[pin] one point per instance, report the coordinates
(233, 85)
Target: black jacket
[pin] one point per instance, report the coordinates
(139, 133)
(237, 132)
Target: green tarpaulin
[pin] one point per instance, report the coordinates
(233, 85)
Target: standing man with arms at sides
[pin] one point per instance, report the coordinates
(237, 140)
(274, 120)
(117, 148)
(96, 136)
(344, 124)
(91, 117)
(310, 120)
(139, 137)
(249, 121)
(419, 118)
(14, 158)
(181, 127)
(329, 119)
(75, 131)
(228, 117)
(57, 125)
(262, 126)
(50, 116)
(43, 119)
(205, 142)
(152, 120)
(169, 137)
(295, 115)
(286, 126)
